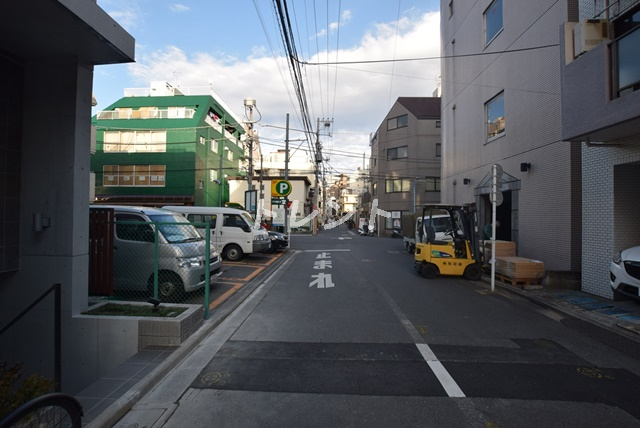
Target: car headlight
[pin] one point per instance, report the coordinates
(273, 238)
(259, 238)
(617, 258)
(190, 261)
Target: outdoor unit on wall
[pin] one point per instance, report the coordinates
(588, 34)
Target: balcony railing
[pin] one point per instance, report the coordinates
(178, 113)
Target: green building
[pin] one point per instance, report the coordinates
(166, 148)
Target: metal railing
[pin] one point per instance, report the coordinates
(179, 113)
(57, 323)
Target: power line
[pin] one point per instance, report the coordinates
(378, 61)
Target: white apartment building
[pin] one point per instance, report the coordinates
(501, 104)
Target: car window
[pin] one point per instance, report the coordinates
(175, 228)
(203, 218)
(134, 231)
(233, 220)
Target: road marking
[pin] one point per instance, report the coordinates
(319, 251)
(214, 304)
(450, 386)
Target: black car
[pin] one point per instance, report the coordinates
(278, 241)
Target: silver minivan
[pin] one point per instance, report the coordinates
(181, 252)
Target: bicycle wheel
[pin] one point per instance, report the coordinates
(51, 410)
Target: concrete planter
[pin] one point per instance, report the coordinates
(155, 331)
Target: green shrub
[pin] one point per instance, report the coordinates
(14, 393)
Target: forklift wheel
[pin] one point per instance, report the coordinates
(473, 272)
(429, 271)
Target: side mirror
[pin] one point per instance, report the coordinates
(246, 228)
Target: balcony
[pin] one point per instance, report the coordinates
(600, 88)
(170, 113)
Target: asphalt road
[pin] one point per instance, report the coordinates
(345, 333)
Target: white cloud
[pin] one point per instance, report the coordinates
(177, 7)
(355, 96)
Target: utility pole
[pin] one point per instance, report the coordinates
(250, 103)
(318, 161)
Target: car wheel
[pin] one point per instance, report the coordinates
(473, 272)
(429, 271)
(170, 287)
(232, 252)
(271, 248)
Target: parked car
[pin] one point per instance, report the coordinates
(178, 255)
(625, 273)
(234, 232)
(278, 241)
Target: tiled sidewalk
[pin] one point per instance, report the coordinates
(105, 391)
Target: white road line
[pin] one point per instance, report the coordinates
(447, 382)
(450, 386)
(326, 251)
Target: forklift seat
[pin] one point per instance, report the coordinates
(431, 236)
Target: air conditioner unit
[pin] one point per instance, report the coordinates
(589, 33)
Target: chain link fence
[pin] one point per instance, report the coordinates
(167, 261)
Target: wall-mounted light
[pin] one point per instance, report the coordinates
(466, 181)
(40, 223)
(524, 167)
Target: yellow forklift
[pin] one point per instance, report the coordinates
(459, 257)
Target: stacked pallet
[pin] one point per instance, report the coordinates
(520, 269)
(503, 249)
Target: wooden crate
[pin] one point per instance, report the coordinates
(520, 268)
(503, 249)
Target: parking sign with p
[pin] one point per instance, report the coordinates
(280, 188)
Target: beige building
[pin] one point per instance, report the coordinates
(405, 159)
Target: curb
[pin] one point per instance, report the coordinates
(620, 329)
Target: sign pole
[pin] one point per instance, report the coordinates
(286, 177)
(494, 194)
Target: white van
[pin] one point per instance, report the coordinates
(234, 232)
(181, 252)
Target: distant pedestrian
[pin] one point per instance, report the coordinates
(487, 230)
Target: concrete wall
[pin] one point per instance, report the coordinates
(54, 181)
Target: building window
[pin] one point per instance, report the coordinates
(432, 184)
(626, 54)
(492, 21)
(397, 185)
(397, 122)
(495, 116)
(394, 221)
(438, 150)
(213, 175)
(450, 8)
(134, 141)
(202, 140)
(133, 175)
(438, 124)
(397, 153)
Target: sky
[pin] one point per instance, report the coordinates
(358, 57)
